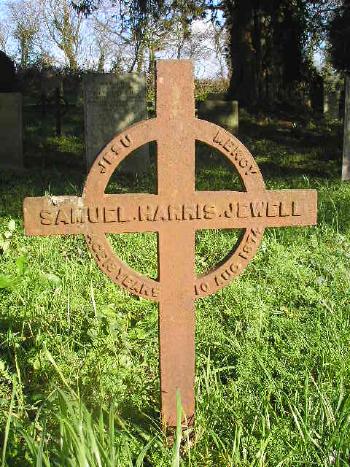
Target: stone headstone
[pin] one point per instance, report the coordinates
(175, 213)
(112, 103)
(11, 147)
(220, 112)
(346, 147)
(7, 74)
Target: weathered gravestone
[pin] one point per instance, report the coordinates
(220, 111)
(346, 146)
(11, 153)
(112, 103)
(11, 147)
(175, 213)
(7, 74)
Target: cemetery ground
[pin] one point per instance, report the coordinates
(79, 378)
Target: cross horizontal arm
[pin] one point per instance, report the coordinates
(127, 213)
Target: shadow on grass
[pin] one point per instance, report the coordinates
(305, 146)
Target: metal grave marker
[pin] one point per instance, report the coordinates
(175, 213)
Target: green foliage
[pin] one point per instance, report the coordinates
(147, 23)
(77, 438)
(339, 37)
(79, 378)
(269, 48)
(6, 237)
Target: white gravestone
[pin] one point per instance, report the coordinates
(11, 145)
(113, 103)
(346, 147)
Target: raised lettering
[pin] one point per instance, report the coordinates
(106, 157)
(46, 217)
(243, 210)
(161, 214)
(128, 281)
(118, 273)
(234, 268)
(272, 209)
(234, 152)
(256, 231)
(109, 265)
(146, 213)
(258, 208)
(78, 216)
(202, 288)
(102, 164)
(63, 217)
(110, 215)
(175, 213)
(209, 211)
(115, 149)
(225, 275)
(155, 292)
(243, 255)
(189, 212)
(94, 215)
(238, 155)
(102, 167)
(126, 141)
(218, 280)
(243, 163)
(100, 253)
(137, 286)
(247, 248)
(121, 215)
(284, 211)
(251, 171)
(231, 211)
(295, 209)
(145, 290)
(218, 138)
(228, 145)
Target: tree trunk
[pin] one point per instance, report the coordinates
(72, 60)
(25, 51)
(101, 62)
(243, 85)
(266, 44)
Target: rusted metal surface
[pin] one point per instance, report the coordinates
(175, 213)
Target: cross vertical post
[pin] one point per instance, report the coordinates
(176, 244)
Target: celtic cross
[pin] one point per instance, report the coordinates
(174, 213)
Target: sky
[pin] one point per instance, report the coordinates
(207, 63)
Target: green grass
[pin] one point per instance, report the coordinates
(79, 378)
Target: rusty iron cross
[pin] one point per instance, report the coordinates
(175, 213)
